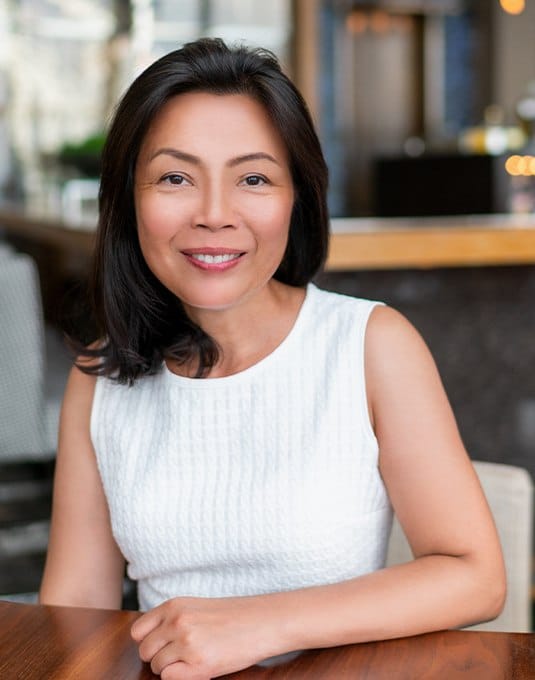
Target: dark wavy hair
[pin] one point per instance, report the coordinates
(138, 320)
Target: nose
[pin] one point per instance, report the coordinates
(215, 210)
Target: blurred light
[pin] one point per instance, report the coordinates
(414, 146)
(511, 165)
(526, 108)
(380, 22)
(520, 165)
(356, 22)
(513, 6)
(496, 140)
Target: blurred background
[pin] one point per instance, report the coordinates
(426, 112)
(388, 82)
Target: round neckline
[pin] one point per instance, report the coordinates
(261, 365)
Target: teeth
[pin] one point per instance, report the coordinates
(215, 259)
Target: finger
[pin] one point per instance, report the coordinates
(145, 624)
(167, 655)
(153, 644)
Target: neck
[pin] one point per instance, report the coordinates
(250, 331)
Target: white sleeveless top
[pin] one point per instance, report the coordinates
(262, 481)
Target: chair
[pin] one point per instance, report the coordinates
(509, 491)
(29, 414)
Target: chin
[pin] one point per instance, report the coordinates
(217, 302)
(221, 297)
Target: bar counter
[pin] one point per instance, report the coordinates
(356, 243)
(431, 242)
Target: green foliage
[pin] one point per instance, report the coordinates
(84, 156)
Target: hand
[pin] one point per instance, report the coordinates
(189, 638)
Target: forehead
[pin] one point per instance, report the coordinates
(197, 119)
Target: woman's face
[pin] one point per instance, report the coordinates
(213, 196)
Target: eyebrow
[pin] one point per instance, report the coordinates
(195, 160)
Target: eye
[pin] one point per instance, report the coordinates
(254, 180)
(175, 179)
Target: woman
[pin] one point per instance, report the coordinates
(236, 435)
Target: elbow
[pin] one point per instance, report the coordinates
(492, 594)
(497, 597)
(494, 602)
(497, 589)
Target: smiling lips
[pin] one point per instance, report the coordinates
(213, 259)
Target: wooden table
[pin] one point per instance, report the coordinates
(63, 643)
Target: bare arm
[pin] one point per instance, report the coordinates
(84, 566)
(456, 579)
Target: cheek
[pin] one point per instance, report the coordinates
(156, 219)
(275, 219)
(155, 228)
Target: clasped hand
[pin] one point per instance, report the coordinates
(189, 638)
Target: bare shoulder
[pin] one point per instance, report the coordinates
(389, 329)
(402, 379)
(80, 389)
(80, 384)
(394, 347)
(77, 401)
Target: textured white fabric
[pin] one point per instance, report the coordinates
(262, 481)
